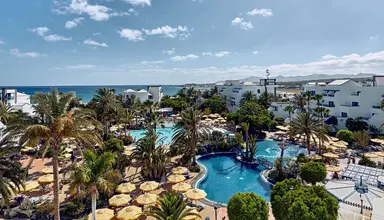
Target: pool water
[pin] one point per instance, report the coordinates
(270, 150)
(226, 176)
(165, 133)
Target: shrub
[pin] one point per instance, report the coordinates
(279, 120)
(312, 172)
(74, 208)
(290, 200)
(127, 140)
(114, 145)
(345, 135)
(272, 125)
(367, 162)
(247, 206)
(45, 210)
(301, 158)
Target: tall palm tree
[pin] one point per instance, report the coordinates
(5, 112)
(265, 99)
(308, 97)
(171, 207)
(305, 124)
(125, 117)
(252, 146)
(322, 135)
(245, 127)
(189, 129)
(318, 98)
(290, 109)
(91, 175)
(283, 146)
(77, 125)
(104, 105)
(299, 101)
(248, 96)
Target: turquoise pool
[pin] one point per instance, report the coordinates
(226, 176)
(165, 133)
(270, 150)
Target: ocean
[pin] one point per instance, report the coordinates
(86, 93)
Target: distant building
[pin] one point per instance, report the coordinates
(233, 90)
(345, 99)
(17, 100)
(154, 93)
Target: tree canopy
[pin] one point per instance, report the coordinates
(292, 201)
(356, 124)
(247, 206)
(216, 104)
(345, 135)
(313, 172)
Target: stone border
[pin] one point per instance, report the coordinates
(265, 179)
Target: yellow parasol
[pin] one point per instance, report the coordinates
(149, 186)
(125, 188)
(26, 149)
(48, 170)
(192, 217)
(146, 199)
(178, 118)
(196, 194)
(129, 213)
(179, 170)
(283, 128)
(331, 155)
(280, 133)
(103, 214)
(370, 155)
(68, 150)
(31, 185)
(334, 169)
(342, 142)
(339, 145)
(377, 141)
(174, 178)
(66, 155)
(314, 157)
(181, 187)
(213, 116)
(119, 200)
(380, 154)
(207, 119)
(45, 179)
(334, 138)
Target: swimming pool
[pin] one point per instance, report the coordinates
(270, 150)
(226, 176)
(165, 133)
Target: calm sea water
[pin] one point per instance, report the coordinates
(86, 92)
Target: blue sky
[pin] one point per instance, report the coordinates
(95, 42)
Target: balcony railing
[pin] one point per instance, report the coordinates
(355, 94)
(349, 105)
(331, 95)
(328, 105)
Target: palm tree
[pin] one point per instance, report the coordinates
(362, 139)
(318, 98)
(308, 97)
(171, 207)
(91, 175)
(322, 135)
(252, 147)
(5, 112)
(283, 146)
(151, 155)
(290, 109)
(248, 96)
(124, 117)
(77, 125)
(305, 124)
(189, 129)
(104, 105)
(265, 99)
(299, 101)
(245, 127)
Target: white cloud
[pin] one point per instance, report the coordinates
(55, 37)
(222, 54)
(255, 52)
(119, 14)
(183, 58)
(39, 30)
(263, 12)
(94, 43)
(73, 23)
(245, 25)
(207, 54)
(169, 52)
(132, 35)
(81, 67)
(96, 34)
(139, 2)
(95, 12)
(16, 52)
(329, 57)
(376, 37)
(145, 62)
(2, 42)
(181, 32)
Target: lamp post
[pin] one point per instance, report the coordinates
(215, 212)
(361, 210)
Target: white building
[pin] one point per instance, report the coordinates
(346, 99)
(233, 90)
(153, 93)
(17, 100)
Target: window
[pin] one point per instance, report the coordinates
(258, 91)
(331, 104)
(313, 92)
(355, 104)
(344, 114)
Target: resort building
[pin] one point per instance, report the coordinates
(17, 100)
(233, 90)
(345, 99)
(154, 93)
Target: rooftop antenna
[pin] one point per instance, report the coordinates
(267, 72)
